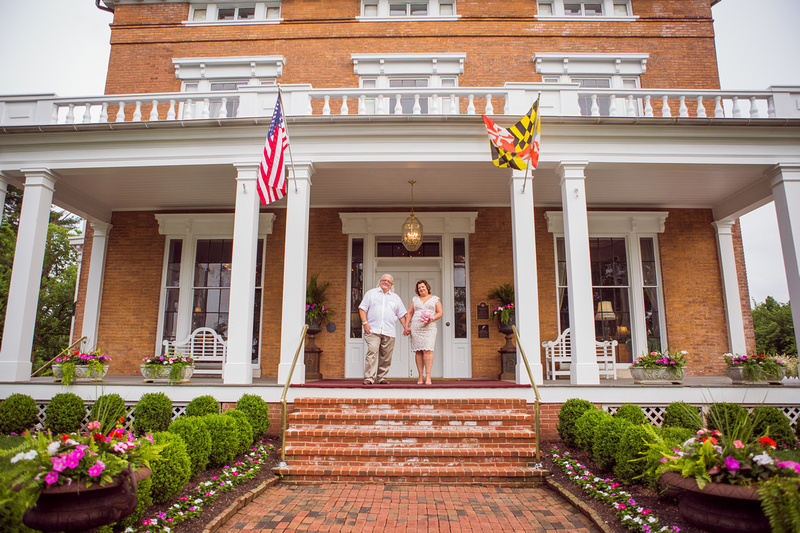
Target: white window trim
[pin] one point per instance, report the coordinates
(632, 226)
(431, 66)
(212, 8)
(591, 65)
(383, 13)
(608, 10)
(254, 69)
(191, 228)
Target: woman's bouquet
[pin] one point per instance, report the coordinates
(426, 317)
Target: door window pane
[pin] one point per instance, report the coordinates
(460, 288)
(172, 289)
(356, 286)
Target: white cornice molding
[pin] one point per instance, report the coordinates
(421, 64)
(207, 224)
(195, 68)
(613, 222)
(390, 223)
(623, 64)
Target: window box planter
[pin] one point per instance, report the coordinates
(662, 374)
(82, 372)
(162, 373)
(736, 373)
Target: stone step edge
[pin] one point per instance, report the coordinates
(410, 432)
(408, 415)
(406, 471)
(356, 402)
(426, 451)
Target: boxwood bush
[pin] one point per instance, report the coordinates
(629, 461)
(770, 421)
(193, 431)
(107, 410)
(585, 427)
(17, 414)
(632, 413)
(172, 469)
(203, 405)
(682, 415)
(244, 431)
(223, 438)
(570, 412)
(725, 416)
(65, 413)
(153, 412)
(607, 437)
(257, 411)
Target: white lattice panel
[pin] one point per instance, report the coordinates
(655, 413)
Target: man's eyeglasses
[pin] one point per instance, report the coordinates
(387, 281)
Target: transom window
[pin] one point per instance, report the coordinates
(223, 12)
(393, 9)
(584, 8)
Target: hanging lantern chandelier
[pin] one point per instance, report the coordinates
(412, 229)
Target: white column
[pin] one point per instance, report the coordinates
(238, 367)
(786, 192)
(295, 266)
(26, 275)
(94, 283)
(526, 288)
(584, 369)
(730, 287)
(3, 190)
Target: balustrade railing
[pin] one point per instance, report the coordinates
(514, 99)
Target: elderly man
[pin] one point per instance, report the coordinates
(379, 310)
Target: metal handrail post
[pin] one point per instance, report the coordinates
(53, 360)
(283, 396)
(537, 398)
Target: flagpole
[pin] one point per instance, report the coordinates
(530, 153)
(288, 141)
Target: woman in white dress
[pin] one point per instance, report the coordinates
(424, 311)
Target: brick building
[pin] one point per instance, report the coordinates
(626, 231)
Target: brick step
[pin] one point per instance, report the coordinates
(401, 457)
(302, 418)
(411, 403)
(409, 436)
(504, 476)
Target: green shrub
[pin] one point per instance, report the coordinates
(629, 462)
(677, 435)
(725, 417)
(193, 431)
(585, 426)
(17, 414)
(257, 411)
(171, 470)
(632, 413)
(223, 439)
(607, 436)
(682, 415)
(153, 412)
(244, 431)
(780, 500)
(570, 412)
(12, 507)
(107, 410)
(770, 421)
(203, 405)
(65, 413)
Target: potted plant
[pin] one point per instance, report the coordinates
(80, 365)
(659, 366)
(163, 369)
(317, 313)
(723, 479)
(504, 312)
(750, 368)
(79, 481)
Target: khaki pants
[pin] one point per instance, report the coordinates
(379, 354)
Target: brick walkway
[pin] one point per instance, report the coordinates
(400, 508)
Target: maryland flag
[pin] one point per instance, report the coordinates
(516, 146)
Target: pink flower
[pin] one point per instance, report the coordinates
(790, 464)
(732, 464)
(426, 316)
(97, 468)
(59, 463)
(738, 444)
(51, 477)
(93, 425)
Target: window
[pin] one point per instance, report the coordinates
(229, 13)
(460, 287)
(407, 102)
(396, 249)
(393, 10)
(603, 102)
(571, 9)
(626, 289)
(356, 286)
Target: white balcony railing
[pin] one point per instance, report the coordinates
(303, 100)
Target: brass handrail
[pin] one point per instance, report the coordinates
(53, 360)
(537, 398)
(283, 396)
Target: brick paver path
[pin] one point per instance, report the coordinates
(391, 508)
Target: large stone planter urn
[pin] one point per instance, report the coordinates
(736, 373)
(77, 507)
(658, 374)
(508, 353)
(719, 507)
(161, 374)
(82, 372)
(313, 352)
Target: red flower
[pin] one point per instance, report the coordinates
(766, 441)
(64, 438)
(99, 436)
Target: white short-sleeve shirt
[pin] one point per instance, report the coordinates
(382, 311)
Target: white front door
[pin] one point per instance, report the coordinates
(406, 277)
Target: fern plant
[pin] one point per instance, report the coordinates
(780, 500)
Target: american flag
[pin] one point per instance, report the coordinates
(271, 178)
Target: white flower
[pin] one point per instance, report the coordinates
(28, 456)
(763, 459)
(53, 447)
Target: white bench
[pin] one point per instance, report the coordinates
(207, 349)
(558, 356)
